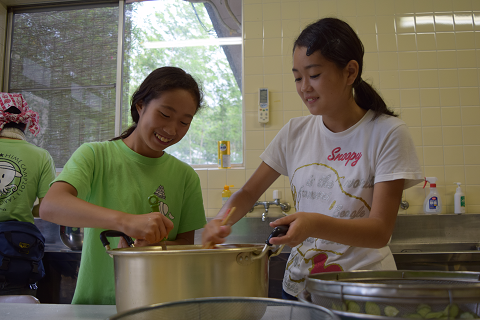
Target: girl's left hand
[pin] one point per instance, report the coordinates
(301, 226)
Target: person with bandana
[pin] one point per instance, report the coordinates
(26, 170)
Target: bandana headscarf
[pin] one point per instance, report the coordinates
(27, 116)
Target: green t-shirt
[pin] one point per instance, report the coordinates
(26, 172)
(111, 175)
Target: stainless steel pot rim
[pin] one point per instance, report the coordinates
(226, 300)
(351, 278)
(324, 284)
(466, 286)
(189, 249)
(402, 297)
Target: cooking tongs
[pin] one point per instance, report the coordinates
(277, 231)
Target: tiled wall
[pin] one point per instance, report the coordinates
(421, 55)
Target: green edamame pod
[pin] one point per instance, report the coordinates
(352, 306)
(390, 311)
(372, 308)
(423, 309)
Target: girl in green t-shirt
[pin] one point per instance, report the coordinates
(106, 185)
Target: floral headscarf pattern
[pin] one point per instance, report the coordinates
(27, 116)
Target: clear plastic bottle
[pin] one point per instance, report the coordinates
(459, 200)
(226, 193)
(432, 203)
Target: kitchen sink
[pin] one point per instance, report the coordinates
(454, 256)
(434, 247)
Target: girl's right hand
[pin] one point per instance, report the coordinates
(215, 233)
(151, 227)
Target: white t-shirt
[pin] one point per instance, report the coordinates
(333, 174)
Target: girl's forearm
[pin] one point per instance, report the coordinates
(244, 199)
(364, 232)
(242, 202)
(64, 208)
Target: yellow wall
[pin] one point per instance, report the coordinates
(427, 73)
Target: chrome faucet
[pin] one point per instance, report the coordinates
(265, 212)
(404, 203)
(276, 202)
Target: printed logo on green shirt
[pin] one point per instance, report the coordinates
(160, 206)
(13, 177)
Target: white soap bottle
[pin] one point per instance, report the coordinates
(432, 203)
(459, 200)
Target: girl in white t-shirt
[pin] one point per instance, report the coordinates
(347, 163)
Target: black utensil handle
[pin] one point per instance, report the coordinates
(114, 233)
(278, 231)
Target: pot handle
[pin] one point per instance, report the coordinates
(277, 231)
(114, 233)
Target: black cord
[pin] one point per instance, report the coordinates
(211, 31)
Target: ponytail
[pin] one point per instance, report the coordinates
(367, 98)
(125, 133)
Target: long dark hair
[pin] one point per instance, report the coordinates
(157, 82)
(339, 44)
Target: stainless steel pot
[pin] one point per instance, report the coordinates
(72, 237)
(149, 275)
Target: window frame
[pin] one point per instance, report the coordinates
(119, 63)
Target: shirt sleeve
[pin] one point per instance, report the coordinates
(47, 175)
(275, 155)
(78, 171)
(398, 160)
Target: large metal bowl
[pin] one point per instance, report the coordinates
(234, 308)
(396, 294)
(72, 237)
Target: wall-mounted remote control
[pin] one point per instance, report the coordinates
(263, 109)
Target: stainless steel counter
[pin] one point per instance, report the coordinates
(437, 228)
(21, 311)
(445, 242)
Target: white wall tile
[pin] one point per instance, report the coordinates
(422, 56)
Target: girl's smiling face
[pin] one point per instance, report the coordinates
(162, 123)
(324, 88)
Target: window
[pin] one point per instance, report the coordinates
(64, 61)
(160, 33)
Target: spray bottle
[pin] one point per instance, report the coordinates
(459, 200)
(432, 203)
(226, 193)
